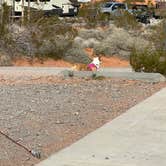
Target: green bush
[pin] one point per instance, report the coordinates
(149, 61)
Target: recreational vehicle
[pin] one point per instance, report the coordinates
(60, 7)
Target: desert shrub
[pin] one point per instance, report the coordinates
(92, 16)
(4, 19)
(48, 37)
(5, 59)
(89, 43)
(91, 33)
(88, 38)
(126, 21)
(149, 61)
(55, 48)
(77, 55)
(120, 42)
(158, 35)
(152, 59)
(7, 46)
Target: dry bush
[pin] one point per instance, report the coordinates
(126, 21)
(4, 19)
(113, 41)
(153, 58)
(7, 45)
(77, 55)
(88, 38)
(91, 33)
(5, 59)
(45, 38)
(92, 16)
(149, 61)
(158, 35)
(120, 42)
(89, 43)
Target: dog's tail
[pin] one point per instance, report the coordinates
(74, 67)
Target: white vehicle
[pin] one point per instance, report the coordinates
(84, 1)
(113, 7)
(61, 7)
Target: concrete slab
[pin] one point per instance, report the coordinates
(119, 73)
(116, 69)
(136, 138)
(44, 71)
(123, 73)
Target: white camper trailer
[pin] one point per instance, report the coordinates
(60, 7)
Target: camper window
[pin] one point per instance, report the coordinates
(17, 0)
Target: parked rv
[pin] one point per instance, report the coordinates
(60, 7)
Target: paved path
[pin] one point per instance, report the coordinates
(136, 138)
(44, 71)
(52, 70)
(122, 73)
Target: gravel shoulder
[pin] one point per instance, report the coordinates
(50, 113)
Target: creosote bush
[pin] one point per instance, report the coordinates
(45, 37)
(152, 58)
(77, 55)
(149, 61)
(119, 42)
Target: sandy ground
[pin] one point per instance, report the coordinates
(112, 61)
(50, 113)
(106, 62)
(49, 117)
(45, 63)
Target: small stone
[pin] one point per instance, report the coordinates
(107, 158)
(104, 108)
(28, 158)
(76, 113)
(37, 134)
(40, 145)
(58, 122)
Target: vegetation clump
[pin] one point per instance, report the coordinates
(153, 58)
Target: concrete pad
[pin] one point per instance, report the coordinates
(116, 69)
(136, 138)
(44, 71)
(149, 77)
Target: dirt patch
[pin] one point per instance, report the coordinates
(114, 62)
(106, 62)
(49, 117)
(41, 63)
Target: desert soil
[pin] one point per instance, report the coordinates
(110, 61)
(48, 116)
(106, 62)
